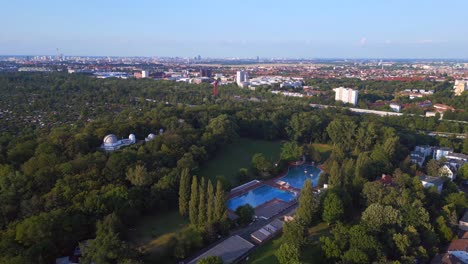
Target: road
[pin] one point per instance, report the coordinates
(379, 113)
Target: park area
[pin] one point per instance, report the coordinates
(154, 234)
(237, 155)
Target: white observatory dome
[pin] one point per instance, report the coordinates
(110, 140)
(132, 138)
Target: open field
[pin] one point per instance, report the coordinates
(265, 254)
(231, 158)
(153, 234)
(324, 149)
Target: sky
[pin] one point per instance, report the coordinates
(236, 28)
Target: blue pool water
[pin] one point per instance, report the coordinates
(297, 175)
(259, 196)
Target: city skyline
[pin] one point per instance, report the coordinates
(269, 29)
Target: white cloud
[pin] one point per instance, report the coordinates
(425, 41)
(363, 41)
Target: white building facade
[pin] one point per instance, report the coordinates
(241, 77)
(441, 152)
(346, 95)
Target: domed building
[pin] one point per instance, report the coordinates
(111, 143)
(110, 140)
(151, 136)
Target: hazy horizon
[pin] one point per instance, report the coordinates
(268, 29)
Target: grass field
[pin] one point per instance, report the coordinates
(231, 158)
(154, 233)
(311, 253)
(324, 149)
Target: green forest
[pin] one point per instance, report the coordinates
(57, 189)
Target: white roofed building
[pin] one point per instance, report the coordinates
(111, 143)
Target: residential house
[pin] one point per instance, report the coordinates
(447, 171)
(463, 223)
(459, 249)
(386, 179)
(417, 158)
(440, 152)
(430, 181)
(457, 156)
(425, 149)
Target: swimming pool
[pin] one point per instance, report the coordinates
(297, 175)
(259, 196)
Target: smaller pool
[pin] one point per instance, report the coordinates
(259, 196)
(297, 175)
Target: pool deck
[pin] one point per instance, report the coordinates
(273, 207)
(244, 190)
(273, 182)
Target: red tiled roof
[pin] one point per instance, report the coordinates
(458, 245)
(386, 179)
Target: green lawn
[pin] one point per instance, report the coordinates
(265, 254)
(324, 149)
(231, 158)
(153, 234)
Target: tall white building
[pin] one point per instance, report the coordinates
(460, 86)
(346, 95)
(241, 77)
(144, 74)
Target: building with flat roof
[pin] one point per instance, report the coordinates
(268, 231)
(441, 152)
(230, 250)
(429, 181)
(395, 107)
(346, 95)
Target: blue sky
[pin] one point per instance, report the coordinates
(238, 28)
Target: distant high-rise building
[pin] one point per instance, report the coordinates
(204, 72)
(144, 74)
(346, 95)
(241, 77)
(460, 86)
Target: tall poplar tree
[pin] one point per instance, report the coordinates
(193, 204)
(308, 205)
(202, 203)
(336, 179)
(210, 203)
(220, 203)
(184, 192)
